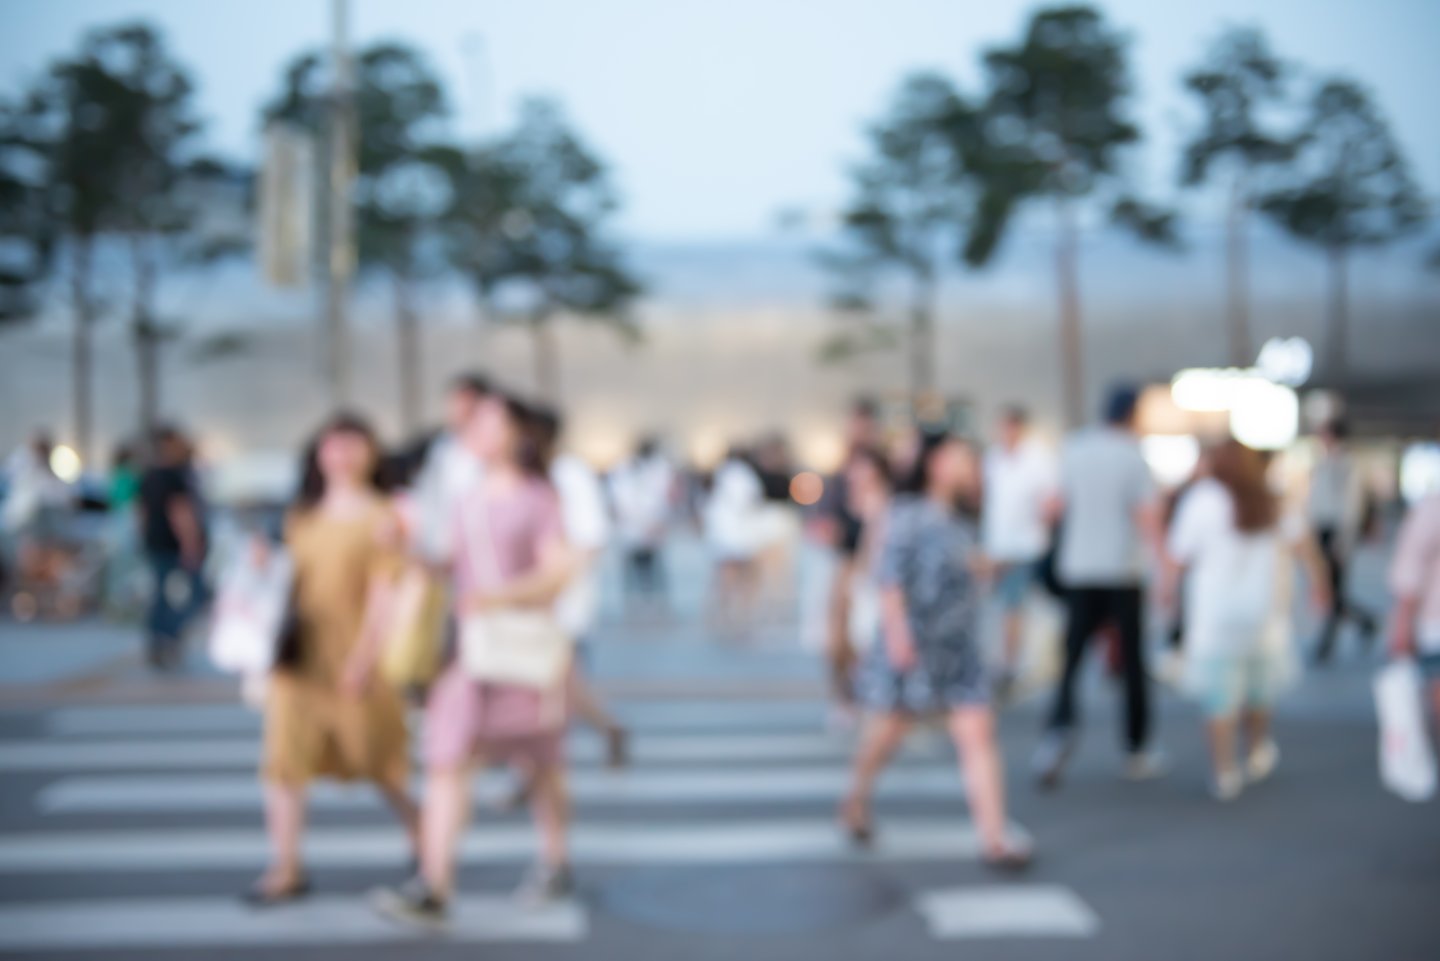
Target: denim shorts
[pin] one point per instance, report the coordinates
(1429, 664)
(1015, 582)
(1224, 684)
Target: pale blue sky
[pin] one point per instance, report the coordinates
(716, 113)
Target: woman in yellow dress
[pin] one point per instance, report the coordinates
(327, 712)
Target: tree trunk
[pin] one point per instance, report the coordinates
(81, 365)
(547, 357)
(1072, 362)
(922, 343)
(1242, 349)
(147, 338)
(407, 354)
(1337, 336)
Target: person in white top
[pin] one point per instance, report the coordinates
(449, 471)
(1020, 484)
(642, 490)
(1239, 646)
(1336, 505)
(733, 530)
(587, 528)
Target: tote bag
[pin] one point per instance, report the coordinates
(251, 612)
(1407, 765)
(415, 639)
(525, 647)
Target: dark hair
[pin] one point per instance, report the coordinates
(472, 383)
(533, 448)
(1339, 428)
(865, 406)
(918, 480)
(1120, 404)
(312, 482)
(1241, 470)
(648, 447)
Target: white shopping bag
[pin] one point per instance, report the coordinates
(250, 610)
(1407, 764)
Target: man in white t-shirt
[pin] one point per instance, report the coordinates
(642, 490)
(449, 471)
(587, 528)
(1020, 484)
(1336, 509)
(1111, 517)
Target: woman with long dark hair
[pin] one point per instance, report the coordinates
(327, 713)
(928, 661)
(511, 555)
(1238, 645)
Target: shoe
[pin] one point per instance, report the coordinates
(545, 884)
(1048, 764)
(1262, 761)
(617, 748)
(1227, 786)
(412, 904)
(262, 897)
(856, 823)
(1145, 766)
(1010, 858)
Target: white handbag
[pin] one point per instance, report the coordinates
(1407, 765)
(250, 610)
(525, 647)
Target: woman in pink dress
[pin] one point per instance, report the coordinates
(510, 552)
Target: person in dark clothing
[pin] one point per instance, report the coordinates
(172, 533)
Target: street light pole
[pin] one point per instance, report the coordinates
(340, 258)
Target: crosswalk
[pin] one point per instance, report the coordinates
(136, 824)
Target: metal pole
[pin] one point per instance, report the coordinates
(340, 262)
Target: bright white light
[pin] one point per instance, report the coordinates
(1265, 416)
(1286, 360)
(1207, 390)
(65, 463)
(1419, 471)
(1171, 457)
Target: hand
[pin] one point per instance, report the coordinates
(1320, 599)
(984, 569)
(355, 677)
(1402, 638)
(901, 648)
(1166, 595)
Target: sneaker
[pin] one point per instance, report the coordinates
(1261, 762)
(1145, 766)
(545, 884)
(1051, 754)
(412, 904)
(1227, 786)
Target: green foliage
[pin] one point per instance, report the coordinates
(1349, 183)
(1240, 79)
(529, 221)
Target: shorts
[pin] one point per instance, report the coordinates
(1429, 665)
(1015, 582)
(468, 720)
(1225, 684)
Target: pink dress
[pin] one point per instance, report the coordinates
(467, 719)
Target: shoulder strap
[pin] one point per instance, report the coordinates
(481, 539)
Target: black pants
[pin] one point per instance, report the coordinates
(1090, 609)
(645, 574)
(1341, 607)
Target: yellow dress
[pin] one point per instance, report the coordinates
(312, 729)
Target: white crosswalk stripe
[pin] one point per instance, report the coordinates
(170, 791)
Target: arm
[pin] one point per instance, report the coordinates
(539, 586)
(185, 521)
(895, 616)
(360, 666)
(1416, 550)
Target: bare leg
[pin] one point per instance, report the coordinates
(285, 823)
(1257, 728)
(443, 819)
(884, 733)
(1013, 633)
(1222, 744)
(397, 795)
(588, 705)
(550, 806)
(973, 731)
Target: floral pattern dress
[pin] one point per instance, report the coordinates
(926, 553)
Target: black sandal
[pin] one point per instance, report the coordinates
(1010, 859)
(259, 897)
(855, 819)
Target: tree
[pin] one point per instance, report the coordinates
(914, 209)
(155, 186)
(62, 146)
(1239, 82)
(27, 234)
(403, 184)
(536, 205)
(1348, 186)
(1057, 128)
